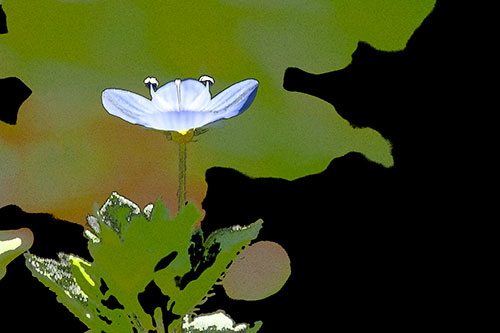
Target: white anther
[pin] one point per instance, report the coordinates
(206, 78)
(151, 81)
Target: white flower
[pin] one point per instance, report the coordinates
(180, 105)
(214, 322)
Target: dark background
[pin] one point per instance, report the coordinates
(370, 247)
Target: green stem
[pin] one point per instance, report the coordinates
(182, 175)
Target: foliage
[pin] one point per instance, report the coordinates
(148, 270)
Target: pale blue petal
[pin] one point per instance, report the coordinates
(180, 105)
(179, 121)
(234, 100)
(194, 95)
(127, 105)
(165, 98)
(182, 95)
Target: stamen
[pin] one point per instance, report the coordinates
(178, 85)
(206, 79)
(151, 82)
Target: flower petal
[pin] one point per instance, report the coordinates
(165, 98)
(194, 95)
(182, 95)
(127, 105)
(234, 100)
(180, 105)
(178, 120)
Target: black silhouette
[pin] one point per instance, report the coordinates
(13, 92)
(27, 305)
(3, 21)
(368, 245)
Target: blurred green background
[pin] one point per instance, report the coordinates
(67, 153)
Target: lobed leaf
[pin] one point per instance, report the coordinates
(149, 270)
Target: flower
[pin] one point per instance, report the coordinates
(180, 105)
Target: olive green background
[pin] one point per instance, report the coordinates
(66, 153)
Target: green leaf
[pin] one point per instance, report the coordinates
(220, 249)
(148, 271)
(57, 276)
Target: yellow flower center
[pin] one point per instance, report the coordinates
(183, 136)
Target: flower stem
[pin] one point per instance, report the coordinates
(182, 175)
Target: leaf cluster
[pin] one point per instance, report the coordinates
(149, 270)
